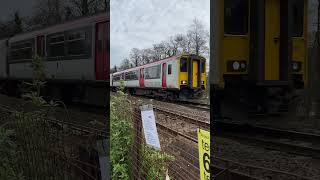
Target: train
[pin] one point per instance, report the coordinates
(259, 55)
(178, 77)
(75, 57)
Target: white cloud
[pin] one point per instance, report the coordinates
(141, 23)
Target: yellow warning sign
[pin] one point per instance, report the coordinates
(204, 154)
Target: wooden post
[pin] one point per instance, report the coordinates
(137, 128)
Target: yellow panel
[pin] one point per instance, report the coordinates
(195, 72)
(235, 47)
(272, 41)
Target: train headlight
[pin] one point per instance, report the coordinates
(235, 65)
(184, 82)
(296, 66)
(202, 82)
(243, 65)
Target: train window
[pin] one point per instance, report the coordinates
(298, 15)
(77, 43)
(236, 17)
(131, 75)
(169, 68)
(152, 72)
(22, 50)
(183, 65)
(203, 67)
(56, 46)
(116, 77)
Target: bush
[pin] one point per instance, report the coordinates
(121, 139)
(155, 163)
(8, 156)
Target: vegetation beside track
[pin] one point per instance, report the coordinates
(153, 163)
(11, 135)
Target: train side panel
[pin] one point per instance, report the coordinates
(65, 69)
(173, 74)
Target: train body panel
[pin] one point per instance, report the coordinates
(86, 50)
(75, 58)
(259, 52)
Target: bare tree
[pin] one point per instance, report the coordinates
(125, 64)
(86, 7)
(135, 57)
(17, 23)
(198, 37)
(47, 12)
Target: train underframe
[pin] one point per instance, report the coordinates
(241, 97)
(68, 91)
(170, 94)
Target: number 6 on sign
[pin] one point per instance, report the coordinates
(204, 154)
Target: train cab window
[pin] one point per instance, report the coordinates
(203, 67)
(183, 65)
(298, 15)
(56, 46)
(236, 17)
(77, 43)
(169, 68)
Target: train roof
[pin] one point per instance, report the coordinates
(156, 62)
(63, 26)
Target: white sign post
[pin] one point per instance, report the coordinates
(149, 126)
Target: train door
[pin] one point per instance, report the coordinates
(299, 22)
(164, 75)
(272, 40)
(141, 77)
(102, 48)
(40, 46)
(195, 73)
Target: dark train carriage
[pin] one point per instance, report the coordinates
(76, 59)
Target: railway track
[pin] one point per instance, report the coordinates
(270, 138)
(197, 105)
(201, 122)
(276, 139)
(223, 172)
(190, 104)
(81, 126)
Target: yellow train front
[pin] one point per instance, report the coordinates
(259, 50)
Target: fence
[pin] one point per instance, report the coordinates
(178, 157)
(52, 149)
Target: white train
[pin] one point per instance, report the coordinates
(76, 59)
(182, 76)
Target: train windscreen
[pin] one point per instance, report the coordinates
(297, 15)
(183, 65)
(236, 17)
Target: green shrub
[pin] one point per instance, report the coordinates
(8, 156)
(121, 139)
(155, 163)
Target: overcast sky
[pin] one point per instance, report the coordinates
(141, 23)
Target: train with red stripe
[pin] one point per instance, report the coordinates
(75, 58)
(177, 77)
